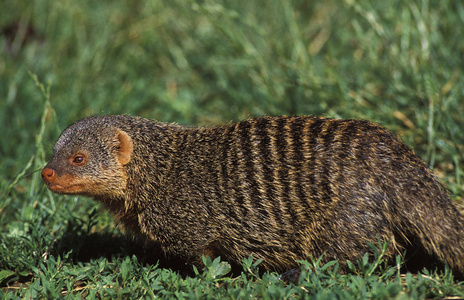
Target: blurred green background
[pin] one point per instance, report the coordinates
(398, 63)
(210, 62)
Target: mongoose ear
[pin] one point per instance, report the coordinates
(125, 147)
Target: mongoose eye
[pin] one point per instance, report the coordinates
(78, 159)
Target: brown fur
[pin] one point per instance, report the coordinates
(280, 188)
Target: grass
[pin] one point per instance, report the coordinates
(399, 63)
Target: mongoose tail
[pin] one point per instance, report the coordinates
(431, 217)
(419, 208)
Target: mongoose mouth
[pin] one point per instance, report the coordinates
(65, 184)
(69, 189)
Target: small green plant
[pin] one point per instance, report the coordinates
(214, 270)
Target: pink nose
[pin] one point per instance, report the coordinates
(48, 175)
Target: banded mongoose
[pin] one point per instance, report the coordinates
(280, 188)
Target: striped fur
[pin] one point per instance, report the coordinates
(280, 188)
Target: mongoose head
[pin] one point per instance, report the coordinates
(89, 159)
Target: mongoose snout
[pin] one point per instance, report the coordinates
(48, 175)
